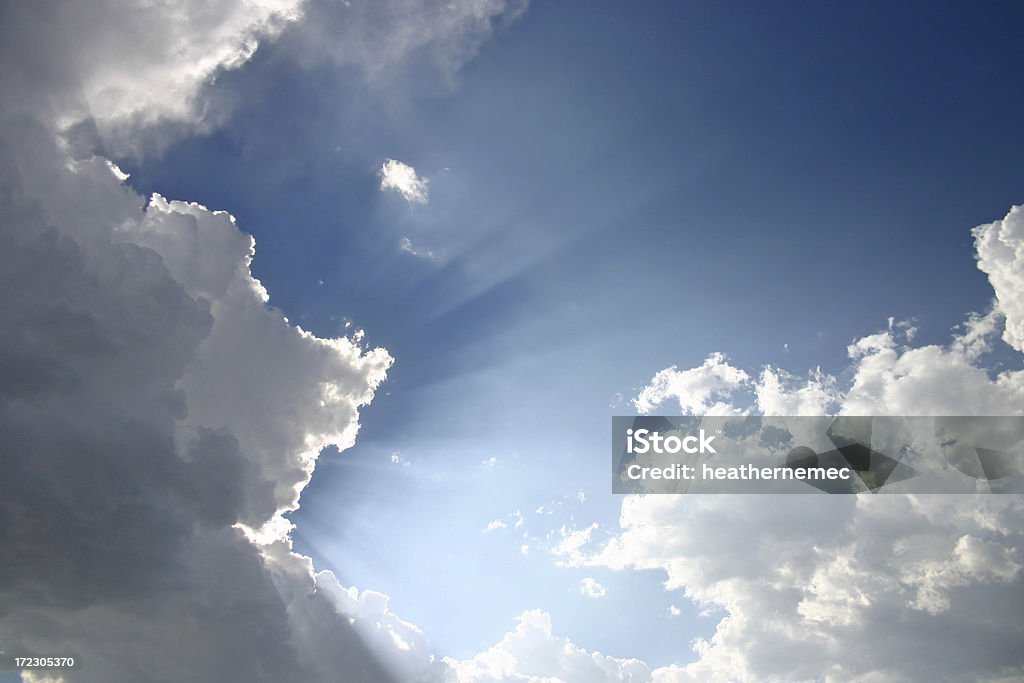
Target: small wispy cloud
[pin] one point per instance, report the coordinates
(520, 521)
(402, 178)
(592, 589)
(406, 245)
(495, 524)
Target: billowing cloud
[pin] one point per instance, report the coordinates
(66, 63)
(865, 588)
(157, 416)
(112, 70)
(153, 408)
(1000, 247)
(699, 391)
(849, 589)
(402, 178)
(532, 653)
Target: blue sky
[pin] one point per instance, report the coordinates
(614, 188)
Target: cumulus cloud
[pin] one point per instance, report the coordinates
(865, 588)
(699, 391)
(110, 71)
(157, 416)
(1000, 248)
(65, 63)
(840, 588)
(155, 410)
(532, 653)
(592, 588)
(402, 178)
(833, 588)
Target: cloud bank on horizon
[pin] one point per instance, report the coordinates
(158, 418)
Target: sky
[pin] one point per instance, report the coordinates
(316, 315)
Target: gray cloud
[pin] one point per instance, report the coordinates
(150, 402)
(157, 416)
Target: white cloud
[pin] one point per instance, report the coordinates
(72, 62)
(1000, 248)
(520, 521)
(532, 653)
(572, 544)
(779, 393)
(811, 586)
(592, 588)
(406, 245)
(495, 524)
(809, 582)
(402, 178)
(703, 390)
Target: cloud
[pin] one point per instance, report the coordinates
(158, 417)
(520, 521)
(841, 588)
(153, 411)
(402, 178)
(406, 245)
(698, 390)
(71, 62)
(532, 653)
(1000, 249)
(592, 589)
(379, 36)
(71, 66)
(572, 544)
(496, 524)
(833, 588)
